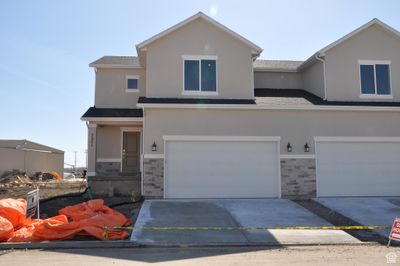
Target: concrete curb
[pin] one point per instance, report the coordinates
(129, 244)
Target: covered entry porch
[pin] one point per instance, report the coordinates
(115, 155)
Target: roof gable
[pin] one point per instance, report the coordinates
(373, 22)
(256, 50)
(313, 59)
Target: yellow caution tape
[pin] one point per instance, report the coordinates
(329, 227)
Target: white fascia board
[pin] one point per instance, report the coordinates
(262, 69)
(257, 49)
(271, 107)
(112, 119)
(219, 138)
(357, 139)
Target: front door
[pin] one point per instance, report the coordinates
(131, 152)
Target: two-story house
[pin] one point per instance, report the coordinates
(196, 115)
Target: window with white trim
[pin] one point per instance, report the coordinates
(375, 78)
(132, 83)
(200, 75)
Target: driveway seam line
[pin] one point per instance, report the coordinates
(236, 222)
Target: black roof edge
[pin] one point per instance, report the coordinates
(314, 99)
(94, 112)
(194, 101)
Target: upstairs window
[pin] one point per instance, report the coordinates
(375, 79)
(132, 83)
(200, 75)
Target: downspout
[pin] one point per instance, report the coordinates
(324, 70)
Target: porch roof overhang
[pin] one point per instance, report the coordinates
(94, 114)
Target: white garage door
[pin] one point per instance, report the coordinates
(207, 167)
(358, 168)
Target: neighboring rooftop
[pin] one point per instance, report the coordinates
(276, 65)
(24, 144)
(117, 61)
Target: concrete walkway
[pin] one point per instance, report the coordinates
(366, 210)
(232, 213)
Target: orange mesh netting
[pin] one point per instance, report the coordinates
(88, 218)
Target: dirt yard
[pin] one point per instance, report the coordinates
(57, 194)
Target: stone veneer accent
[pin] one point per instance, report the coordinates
(153, 178)
(108, 168)
(298, 178)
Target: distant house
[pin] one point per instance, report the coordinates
(29, 157)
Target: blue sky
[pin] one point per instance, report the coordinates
(46, 46)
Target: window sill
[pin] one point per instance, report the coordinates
(132, 90)
(200, 93)
(376, 96)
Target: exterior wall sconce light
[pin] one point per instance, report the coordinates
(154, 146)
(306, 148)
(289, 147)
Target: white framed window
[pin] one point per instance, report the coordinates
(132, 83)
(199, 75)
(375, 82)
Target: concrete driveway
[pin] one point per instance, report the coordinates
(231, 213)
(366, 210)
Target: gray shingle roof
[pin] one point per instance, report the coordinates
(277, 65)
(133, 62)
(117, 61)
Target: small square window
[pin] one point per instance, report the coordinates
(132, 83)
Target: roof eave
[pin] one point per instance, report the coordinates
(114, 119)
(113, 66)
(264, 69)
(310, 61)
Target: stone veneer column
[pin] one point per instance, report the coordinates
(153, 177)
(91, 152)
(298, 178)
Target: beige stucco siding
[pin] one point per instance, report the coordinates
(109, 142)
(313, 79)
(342, 69)
(164, 63)
(111, 86)
(294, 126)
(277, 80)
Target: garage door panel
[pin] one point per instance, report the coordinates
(221, 169)
(358, 169)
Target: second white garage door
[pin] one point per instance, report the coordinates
(221, 167)
(358, 167)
